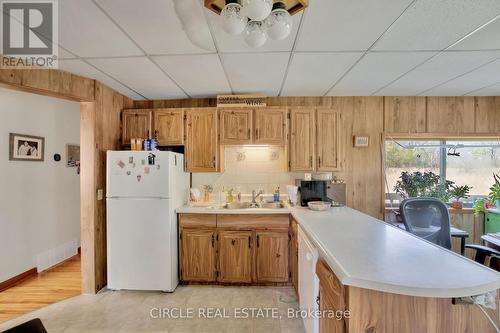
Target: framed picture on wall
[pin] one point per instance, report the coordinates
(72, 155)
(24, 147)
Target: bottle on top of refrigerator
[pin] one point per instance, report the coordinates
(277, 194)
(154, 141)
(147, 143)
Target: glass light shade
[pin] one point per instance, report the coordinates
(257, 10)
(255, 34)
(233, 20)
(279, 24)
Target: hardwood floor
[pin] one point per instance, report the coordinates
(48, 287)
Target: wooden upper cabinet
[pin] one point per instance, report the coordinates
(271, 126)
(170, 126)
(272, 256)
(202, 150)
(327, 140)
(197, 255)
(302, 140)
(236, 127)
(135, 124)
(235, 256)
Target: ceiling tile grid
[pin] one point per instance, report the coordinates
(177, 49)
(312, 74)
(375, 71)
(441, 68)
(141, 75)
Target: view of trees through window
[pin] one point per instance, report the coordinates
(468, 162)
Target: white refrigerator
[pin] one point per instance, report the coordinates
(143, 189)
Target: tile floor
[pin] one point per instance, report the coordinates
(130, 311)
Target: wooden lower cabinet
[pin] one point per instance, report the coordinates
(294, 256)
(197, 255)
(239, 249)
(331, 298)
(272, 256)
(235, 256)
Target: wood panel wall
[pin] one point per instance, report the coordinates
(362, 168)
(100, 131)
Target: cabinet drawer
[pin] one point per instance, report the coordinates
(278, 222)
(198, 220)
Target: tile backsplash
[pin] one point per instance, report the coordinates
(250, 168)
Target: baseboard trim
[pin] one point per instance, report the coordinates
(16, 279)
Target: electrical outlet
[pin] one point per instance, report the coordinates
(100, 194)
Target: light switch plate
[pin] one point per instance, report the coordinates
(307, 176)
(100, 194)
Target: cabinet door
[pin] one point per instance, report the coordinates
(135, 124)
(302, 140)
(197, 255)
(201, 145)
(170, 127)
(235, 256)
(332, 297)
(272, 256)
(327, 140)
(294, 256)
(270, 127)
(236, 127)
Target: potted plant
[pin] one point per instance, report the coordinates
(458, 193)
(427, 184)
(494, 196)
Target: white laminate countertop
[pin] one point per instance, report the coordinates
(216, 209)
(368, 253)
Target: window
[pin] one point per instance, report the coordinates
(469, 162)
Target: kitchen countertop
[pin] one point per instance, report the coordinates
(368, 253)
(219, 210)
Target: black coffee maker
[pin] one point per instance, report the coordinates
(313, 190)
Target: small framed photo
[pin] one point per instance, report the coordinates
(72, 155)
(24, 147)
(361, 141)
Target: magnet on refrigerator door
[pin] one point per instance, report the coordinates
(131, 159)
(121, 164)
(129, 173)
(146, 170)
(139, 178)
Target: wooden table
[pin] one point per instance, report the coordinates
(455, 232)
(491, 241)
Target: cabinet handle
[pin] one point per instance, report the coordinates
(258, 240)
(319, 161)
(317, 299)
(311, 162)
(213, 240)
(249, 242)
(249, 133)
(232, 242)
(213, 162)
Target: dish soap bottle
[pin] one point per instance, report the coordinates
(277, 194)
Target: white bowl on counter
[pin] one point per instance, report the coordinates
(319, 205)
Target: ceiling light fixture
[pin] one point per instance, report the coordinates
(258, 19)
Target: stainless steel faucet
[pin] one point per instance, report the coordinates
(255, 196)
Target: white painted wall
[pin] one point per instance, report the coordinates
(39, 201)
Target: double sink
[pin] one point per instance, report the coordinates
(248, 205)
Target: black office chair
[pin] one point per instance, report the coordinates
(427, 218)
(482, 252)
(32, 326)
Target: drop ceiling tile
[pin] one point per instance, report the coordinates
(88, 32)
(230, 43)
(376, 70)
(79, 67)
(441, 68)
(477, 79)
(435, 25)
(156, 25)
(141, 75)
(198, 75)
(312, 74)
(346, 25)
(485, 38)
(260, 73)
(493, 90)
